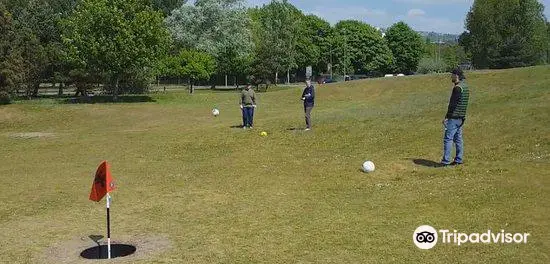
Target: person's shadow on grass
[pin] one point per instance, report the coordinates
(426, 163)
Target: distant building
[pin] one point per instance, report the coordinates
(441, 38)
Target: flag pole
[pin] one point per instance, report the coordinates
(108, 226)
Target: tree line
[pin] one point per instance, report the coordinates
(507, 33)
(122, 46)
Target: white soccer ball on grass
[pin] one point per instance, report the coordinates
(215, 112)
(368, 166)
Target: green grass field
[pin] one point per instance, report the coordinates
(223, 195)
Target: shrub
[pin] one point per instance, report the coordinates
(429, 65)
(4, 98)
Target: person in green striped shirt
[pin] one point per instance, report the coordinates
(454, 119)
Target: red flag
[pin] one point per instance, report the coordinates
(103, 182)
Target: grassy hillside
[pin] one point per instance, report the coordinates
(219, 194)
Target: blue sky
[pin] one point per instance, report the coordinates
(444, 16)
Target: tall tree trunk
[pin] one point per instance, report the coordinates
(36, 86)
(226, 80)
(60, 91)
(28, 91)
(115, 95)
(288, 76)
(77, 91)
(276, 77)
(191, 89)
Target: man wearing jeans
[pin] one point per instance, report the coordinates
(454, 120)
(308, 96)
(248, 103)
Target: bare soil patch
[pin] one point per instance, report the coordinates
(147, 246)
(31, 135)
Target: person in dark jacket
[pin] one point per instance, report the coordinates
(308, 96)
(454, 119)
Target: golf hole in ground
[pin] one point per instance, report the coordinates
(100, 252)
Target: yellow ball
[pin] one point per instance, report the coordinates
(263, 134)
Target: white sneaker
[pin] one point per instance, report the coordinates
(244, 127)
(308, 129)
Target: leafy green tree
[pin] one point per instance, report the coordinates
(450, 56)
(231, 62)
(341, 53)
(39, 40)
(361, 49)
(276, 28)
(431, 65)
(58, 69)
(431, 50)
(196, 66)
(406, 46)
(265, 60)
(506, 33)
(14, 7)
(547, 42)
(287, 40)
(219, 27)
(313, 43)
(190, 64)
(10, 60)
(465, 42)
(166, 6)
(115, 38)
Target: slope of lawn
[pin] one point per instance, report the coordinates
(223, 195)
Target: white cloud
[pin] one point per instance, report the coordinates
(416, 13)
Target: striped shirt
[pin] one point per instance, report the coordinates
(458, 104)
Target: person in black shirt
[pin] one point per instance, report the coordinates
(454, 119)
(308, 96)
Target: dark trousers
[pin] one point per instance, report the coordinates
(307, 110)
(248, 116)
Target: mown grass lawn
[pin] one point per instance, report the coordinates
(224, 195)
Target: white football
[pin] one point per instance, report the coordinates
(215, 112)
(368, 166)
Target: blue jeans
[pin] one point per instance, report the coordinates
(453, 134)
(248, 116)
